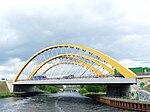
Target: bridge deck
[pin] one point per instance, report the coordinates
(102, 81)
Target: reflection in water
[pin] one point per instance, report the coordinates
(60, 102)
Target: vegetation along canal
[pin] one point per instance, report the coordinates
(59, 102)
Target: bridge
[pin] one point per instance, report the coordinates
(79, 81)
(55, 64)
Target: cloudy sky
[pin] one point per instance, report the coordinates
(119, 28)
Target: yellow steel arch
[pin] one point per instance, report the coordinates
(75, 63)
(110, 70)
(124, 71)
(82, 63)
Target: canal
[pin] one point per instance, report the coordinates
(60, 102)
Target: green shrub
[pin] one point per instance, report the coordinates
(52, 89)
(83, 91)
(94, 88)
(142, 84)
(49, 89)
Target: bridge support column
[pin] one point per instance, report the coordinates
(119, 90)
(23, 88)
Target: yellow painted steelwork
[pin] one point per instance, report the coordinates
(103, 65)
(74, 63)
(124, 71)
(82, 63)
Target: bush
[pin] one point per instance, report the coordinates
(142, 84)
(94, 88)
(50, 89)
(83, 91)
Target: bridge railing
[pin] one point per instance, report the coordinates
(83, 77)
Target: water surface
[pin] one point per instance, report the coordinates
(60, 102)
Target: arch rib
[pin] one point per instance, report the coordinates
(75, 63)
(110, 70)
(124, 71)
(82, 63)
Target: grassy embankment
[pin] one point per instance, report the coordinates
(4, 92)
(147, 88)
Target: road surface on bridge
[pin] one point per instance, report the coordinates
(78, 81)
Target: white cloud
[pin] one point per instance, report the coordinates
(7, 76)
(135, 11)
(132, 63)
(10, 68)
(132, 38)
(3, 68)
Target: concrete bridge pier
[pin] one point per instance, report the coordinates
(119, 90)
(23, 88)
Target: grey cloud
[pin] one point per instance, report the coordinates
(95, 24)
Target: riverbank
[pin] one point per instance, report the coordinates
(6, 94)
(121, 103)
(91, 93)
